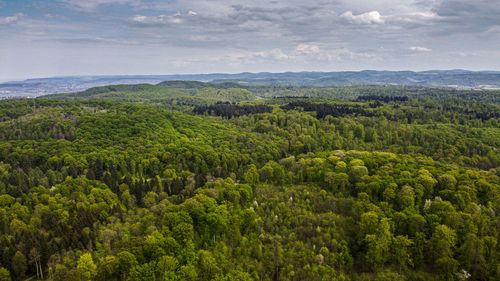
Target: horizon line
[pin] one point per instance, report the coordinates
(7, 80)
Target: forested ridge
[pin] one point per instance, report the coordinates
(197, 181)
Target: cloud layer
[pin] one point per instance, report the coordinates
(153, 36)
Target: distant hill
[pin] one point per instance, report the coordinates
(435, 78)
(184, 92)
(181, 84)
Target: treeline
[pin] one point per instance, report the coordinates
(228, 110)
(234, 92)
(475, 110)
(352, 92)
(382, 98)
(324, 109)
(198, 85)
(154, 94)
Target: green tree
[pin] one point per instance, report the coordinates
(143, 272)
(108, 268)
(127, 261)
(401, 251)
(442, 242)
(4, 274)
(86, 267)
(378, 245)
(207, 265)
(473, 256)
(448, 268)
(187, 272)
(266, 173)
(19, 265)
(166, 267)
(252, 175)
(337, 182)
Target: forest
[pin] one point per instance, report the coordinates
(205, 181)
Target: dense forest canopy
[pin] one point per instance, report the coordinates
(204, 181)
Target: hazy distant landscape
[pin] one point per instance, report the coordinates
(460, 79)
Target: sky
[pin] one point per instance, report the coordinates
(126, 37)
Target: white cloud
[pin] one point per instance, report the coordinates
(12, 19)
(419, 49)
(418, 16)
(311, 51)
(156, 20)
(308, 49)
(176, 18)
(303, 52)
(275, 53)
(372, 17)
